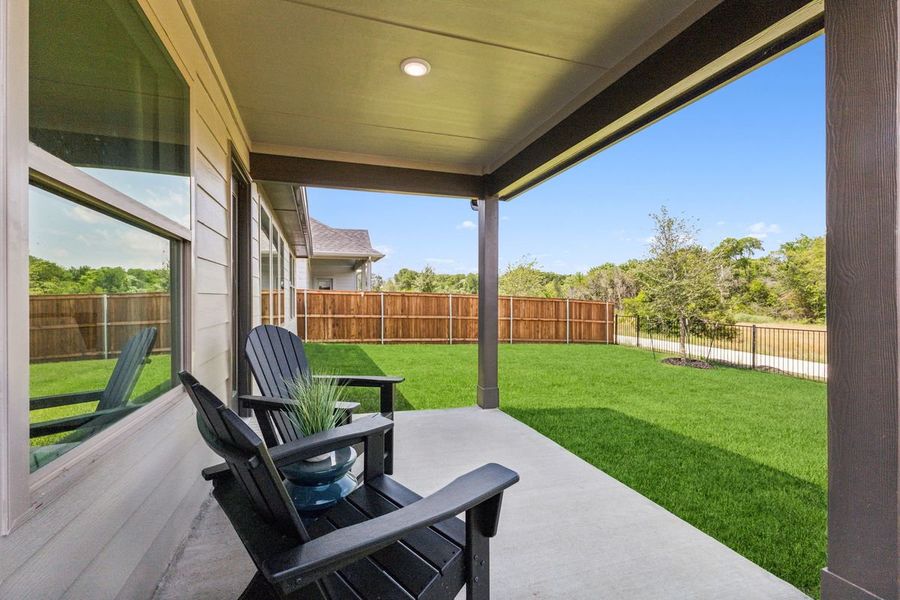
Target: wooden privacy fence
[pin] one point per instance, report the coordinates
(81, 326)
(397, 317)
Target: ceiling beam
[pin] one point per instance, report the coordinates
(356, 176)
(734, 37)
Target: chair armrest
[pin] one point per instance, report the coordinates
(363, 380)
(333, 439)
(306, 563)
(75, 421)
(273, 403)
(64, 399)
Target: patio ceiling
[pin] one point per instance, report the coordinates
(519, 89)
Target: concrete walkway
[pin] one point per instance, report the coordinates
(806, 368)
(567, 530)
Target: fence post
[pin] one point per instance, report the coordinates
(637, 329)
(305, 314)
(450, 301)
(510, 319)
(567, 320)
(105, 326)
(616, 328)
(382, 317)
(753, 348)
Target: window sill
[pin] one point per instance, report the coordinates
(51, 482)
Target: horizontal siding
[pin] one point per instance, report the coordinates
(117, 525)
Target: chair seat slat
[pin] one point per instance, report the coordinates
(454, 529)
(435, 548)
(400, 561)
(365, 576)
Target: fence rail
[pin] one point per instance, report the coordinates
(407, 317)
(80, 326)
(792, 351)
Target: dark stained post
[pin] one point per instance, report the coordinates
(488, 259)
(863, 299)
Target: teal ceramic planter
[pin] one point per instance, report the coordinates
(317, 486)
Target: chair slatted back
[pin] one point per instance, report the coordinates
(276, 358)
(128, 369)
(247, 457)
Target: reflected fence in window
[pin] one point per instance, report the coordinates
(795, 351)
(95, 326)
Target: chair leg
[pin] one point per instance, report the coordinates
(477, 556)
(386, 397)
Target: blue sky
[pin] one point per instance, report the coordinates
(748, 159)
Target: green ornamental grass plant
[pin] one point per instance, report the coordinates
(315, 403)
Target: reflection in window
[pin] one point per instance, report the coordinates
(265, 268)
(106, 97)
(101, 321)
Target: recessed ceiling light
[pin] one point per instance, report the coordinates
(415, 67)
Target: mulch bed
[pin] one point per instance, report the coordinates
(688, 362)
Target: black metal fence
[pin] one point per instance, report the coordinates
(787, 350)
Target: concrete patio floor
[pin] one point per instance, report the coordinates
(567, 530)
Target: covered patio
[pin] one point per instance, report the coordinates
(612, 543)
(311, 93)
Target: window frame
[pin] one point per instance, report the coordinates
(24, 494)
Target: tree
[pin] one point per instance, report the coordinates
(800, 273)
(679, 279)
(523, 278)
(426, 281)
(612, 283)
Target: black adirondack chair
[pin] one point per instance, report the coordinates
(112, 401)
(382, 541)
(276, 358)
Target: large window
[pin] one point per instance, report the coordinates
(106, 98)
(104, 272)
(267, 285)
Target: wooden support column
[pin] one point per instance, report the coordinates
(488, 262)
(863, 248)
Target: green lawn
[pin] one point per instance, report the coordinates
(49, 379)
(739, 454)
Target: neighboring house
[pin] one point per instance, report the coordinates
(340, 259)
(323, 257)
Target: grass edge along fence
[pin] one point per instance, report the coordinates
(791, 351)
(413, 317)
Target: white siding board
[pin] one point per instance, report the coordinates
(212, 340)
(211, 245)
(211, 278)
(210, 181)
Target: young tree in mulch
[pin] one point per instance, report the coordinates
(679, 281)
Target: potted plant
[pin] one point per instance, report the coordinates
(319, 482)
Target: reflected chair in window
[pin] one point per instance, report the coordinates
(277, 358)
(112, 401)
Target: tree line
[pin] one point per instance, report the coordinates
(48, 277)
(679, 277)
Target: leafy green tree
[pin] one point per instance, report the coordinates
(426, 281)
(612, 283)
(523, 278)
(800, 272)
(679, 279)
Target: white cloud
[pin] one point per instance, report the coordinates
(762, 230)
(85, 215)
(467, 224)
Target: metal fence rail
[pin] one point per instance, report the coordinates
(788, 350)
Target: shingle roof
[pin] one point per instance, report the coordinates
(341, 242)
